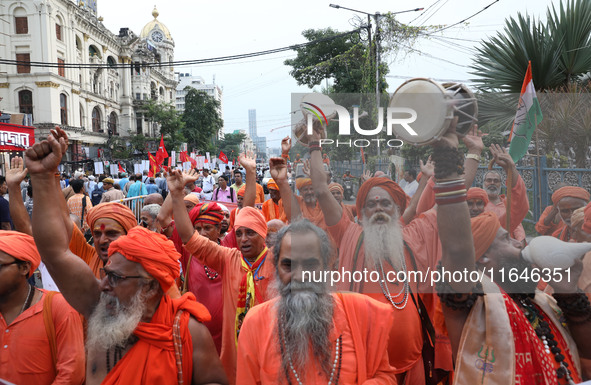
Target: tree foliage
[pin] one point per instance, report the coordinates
(333, 57)
(202, 119)
(169, 120)
(559, 50)
(230, 145)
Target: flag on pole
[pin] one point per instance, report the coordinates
(153, 166)
(161, 154)
(120, 168)
(528, 116)
(362, 155)
(223, 157)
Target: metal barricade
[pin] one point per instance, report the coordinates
(135, 204)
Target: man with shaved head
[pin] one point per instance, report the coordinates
(155, 198)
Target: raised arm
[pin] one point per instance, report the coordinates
(278, 170)
(164, 216)
(331, 209)
(14, 176)
(519, 201)
(455, 234)
(428, 170)
(249, 163)
(176, 184)
(72, 275)
(473, 142)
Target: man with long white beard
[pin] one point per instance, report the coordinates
(308, 335)
(385, 248)
(137, 333)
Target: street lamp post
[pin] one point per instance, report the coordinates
(376, 17)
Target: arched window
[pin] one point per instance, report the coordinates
(25, 102)
(82, 119)
(64, 109)
(21, 21)
(113, 123)
(93, 51)
(78, 43)
(96, 119)
(161, 93)
(153, 91)
(111, 61)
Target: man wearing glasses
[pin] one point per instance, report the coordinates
(137, 332)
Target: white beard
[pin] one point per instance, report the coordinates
(383, 241)
(108, 328)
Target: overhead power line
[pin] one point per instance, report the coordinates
(462, 21)
(177, 63)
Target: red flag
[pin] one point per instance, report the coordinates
(161, 154)
(169, 162)
(153, 166)
(184, 156)
(223, 157)
(362, 155)
(120, 168)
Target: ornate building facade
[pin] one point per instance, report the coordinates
(102, 94)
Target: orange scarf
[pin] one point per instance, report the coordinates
(152, 359)
(247, 293)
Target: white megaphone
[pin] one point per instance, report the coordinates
(546, 251)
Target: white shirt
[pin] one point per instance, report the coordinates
(208, 183)
(411, 188)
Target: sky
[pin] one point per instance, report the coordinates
(207, 29)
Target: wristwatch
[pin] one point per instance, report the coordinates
(473, 156)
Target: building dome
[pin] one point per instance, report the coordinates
(153, 24)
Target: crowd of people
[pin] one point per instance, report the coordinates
(211, 284)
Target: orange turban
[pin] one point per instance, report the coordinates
(477, 193)
(570, 191)
(251, 218)
(587, 223)
(151, 250)
(112, 210)
(193, 198)
(242, 191)
(20, 246)
(387, 184)
(303, 182)
(271, 185)
(484, 232)
(335, 187)
(209, 212)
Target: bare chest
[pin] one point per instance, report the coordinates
(100, 362)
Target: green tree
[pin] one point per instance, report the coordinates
(170, 121)
(230, 145)
(202, 120)
(339, 58)
(559, 50)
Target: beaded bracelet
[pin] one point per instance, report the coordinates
(452, 299)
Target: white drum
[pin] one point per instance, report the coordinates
(436, 105)
(320, 108)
